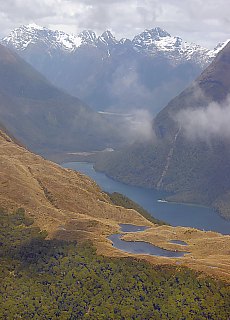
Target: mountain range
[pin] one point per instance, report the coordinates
(48, 120)
(43, 117)
(110, 74)
(70, 206)
(190, 154)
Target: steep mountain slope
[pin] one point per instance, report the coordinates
(55, 196)
(70, 206)
(191, 153)
(43, 117)
(110, 74)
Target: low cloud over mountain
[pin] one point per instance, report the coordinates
(206, 123)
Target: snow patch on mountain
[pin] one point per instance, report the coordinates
(88, 37)
(68, 42)
(218, 48)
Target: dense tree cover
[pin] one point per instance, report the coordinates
(52, 279)
(120, 200)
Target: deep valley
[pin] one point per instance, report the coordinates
(139, 227)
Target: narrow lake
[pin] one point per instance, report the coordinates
(175, 214)
(140, 247)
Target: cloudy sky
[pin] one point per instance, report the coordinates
(204, 22)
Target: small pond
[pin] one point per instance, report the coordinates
(140, 247)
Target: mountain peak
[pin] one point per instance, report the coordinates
(88, 36)
(34, 26)
(107, 35)
(154, 34)
(158, 32)
(157, 41)
(107, 38)
(31, 34)
(149, 37)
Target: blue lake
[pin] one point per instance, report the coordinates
(140, 247)
(175, 214)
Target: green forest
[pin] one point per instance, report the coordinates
(53, 279)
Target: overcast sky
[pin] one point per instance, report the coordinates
(205, 22)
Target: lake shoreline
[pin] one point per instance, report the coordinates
(208, 251)
(90, 157)
(211, 219)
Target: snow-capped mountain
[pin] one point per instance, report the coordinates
(21, 38)
(158, 41)
(107, 38)
(145, 72)
(218, 48)
(32, 34)
(152, 42)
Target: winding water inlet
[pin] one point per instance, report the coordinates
(176, 214)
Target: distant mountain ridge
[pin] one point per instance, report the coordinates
(150, 41)
(43, 117)
(27, 35)
(110, 74)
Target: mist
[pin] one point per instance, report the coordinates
(206, 123)
(139, 127)
(131, 127)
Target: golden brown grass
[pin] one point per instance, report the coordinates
(70, 206)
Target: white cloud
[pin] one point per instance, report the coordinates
(206, 123)
(137, 127)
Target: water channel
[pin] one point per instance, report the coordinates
(176, 214)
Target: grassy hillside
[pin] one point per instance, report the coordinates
(56, 196)
(68, 205)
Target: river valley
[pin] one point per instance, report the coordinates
(175, 214)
